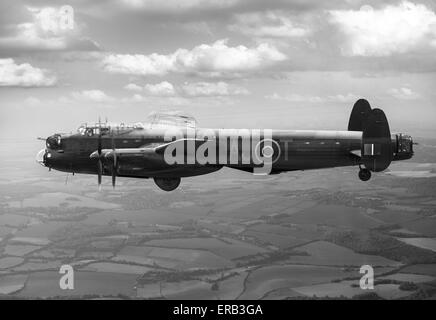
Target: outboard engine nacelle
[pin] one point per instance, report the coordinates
(402, 146)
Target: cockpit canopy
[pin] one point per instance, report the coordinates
(154, 120)
(171, 119)
(91, 129)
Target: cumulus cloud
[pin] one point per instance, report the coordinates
(92, 96)
(217, 59)
(133, 87)
(269, 24)
(24, 75)
(382, 32)
(295, 98)
(403, 93)
(47, 30)
(205, 89)
(153, 64)
(156, 100)
(160, 89)
(349, 97)
(340, 98)
(188, 89)
(178, 5)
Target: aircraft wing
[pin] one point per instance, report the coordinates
(147, 150)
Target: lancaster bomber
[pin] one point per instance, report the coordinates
(170, 146)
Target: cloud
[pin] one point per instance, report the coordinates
(133, 87)
(207, 89)
(197, 27)
(157, 100)
(191, 90)
(24, 75)
(153, 64)
(47, 30)
(339, 98)
(32, 101)
(294, 98)
(403, 93)
(92, 96)
(349, 97)
(177, 5)
(217, 59)
(269, 24)
(163, 89)
(387, 31)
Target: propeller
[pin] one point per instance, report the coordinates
(115, 163)
(99, 155)
(99, 162)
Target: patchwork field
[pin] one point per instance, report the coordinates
(326, 253)
(57, 199)
(226, 248)
(46, 284)
(425, 243)
(335, 216)
(179, 259)
(424, 269)
(345, 289)
(12, 284)
(227, 235)
(264, 280)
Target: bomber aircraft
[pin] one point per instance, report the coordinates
(170, 146)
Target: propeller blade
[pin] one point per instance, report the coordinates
(99, 172)
(99, 147)
(115, 164)
(114, 176)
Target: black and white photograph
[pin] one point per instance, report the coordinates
(195, 151)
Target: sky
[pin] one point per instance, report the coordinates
(280, 64)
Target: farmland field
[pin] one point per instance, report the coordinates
(46, 284)
(335, 215)
(226, 248)
(12, 284)
(425, 269)
(266, 279)
(227, 235)
(172, 258)
(426, 243)
(326, 253)
(332, 290)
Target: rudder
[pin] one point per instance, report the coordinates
(376, 142)
(359, 114)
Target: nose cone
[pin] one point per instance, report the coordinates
(41, 157)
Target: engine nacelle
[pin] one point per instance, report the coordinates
(402, 144)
